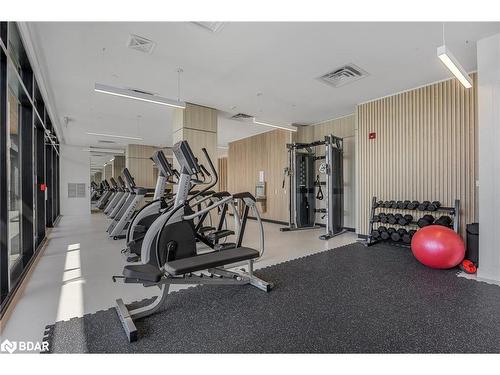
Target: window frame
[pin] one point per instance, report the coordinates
(35, 170)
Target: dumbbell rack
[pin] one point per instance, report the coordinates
(454, 212)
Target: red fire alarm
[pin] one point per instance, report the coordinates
(43, 187)
(372, 135)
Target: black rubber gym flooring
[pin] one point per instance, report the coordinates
(348, 300)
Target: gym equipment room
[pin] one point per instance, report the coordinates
(282, 183)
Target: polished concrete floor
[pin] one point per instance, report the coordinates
(73, 276)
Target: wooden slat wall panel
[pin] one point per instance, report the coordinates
(263, 152)
(342, 127)
(222, 163)
(425, 148)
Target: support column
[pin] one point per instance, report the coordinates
(141, 167)
(488, 63)
(197, 125)
(97, 177)
(118, 164)
(107, 172)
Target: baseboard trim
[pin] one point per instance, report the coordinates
(284, 223)
(270, 221)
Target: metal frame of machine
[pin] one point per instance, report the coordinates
(302, 200)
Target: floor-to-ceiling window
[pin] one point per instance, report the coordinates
(14, 203)
(29, 164)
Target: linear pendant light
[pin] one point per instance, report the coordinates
(454, 66)
(255, 121)
(450, 61)
(104, 150)
(131, 94)
(115, 136)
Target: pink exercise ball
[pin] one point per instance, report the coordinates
(438, 247)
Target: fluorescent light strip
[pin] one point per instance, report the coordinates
(273, 125)
(454, 66)
(115, 136)
(104, 150)
(130, 94)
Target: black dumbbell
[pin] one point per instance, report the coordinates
(391, 219)
(425, 221)
(423, 206)
(434, 206)
(383, 233)
(387, 204)
(401, 205)
(394, 204)
(412, 205)
(406, 203)
(398, 217)
(382, 217)
(405, 220)
(375, 234)
(398, 235)
(390, 231)
(444, 221)
(408, 236)
(375, 218)
(380, 203)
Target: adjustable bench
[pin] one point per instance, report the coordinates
(181, 271)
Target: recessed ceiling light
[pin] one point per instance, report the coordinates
(138, 95)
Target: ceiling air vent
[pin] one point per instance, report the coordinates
(241, 116)
(211, 26)
(105, 141)
(140, 44)
(344, 75)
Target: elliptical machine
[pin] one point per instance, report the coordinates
(169, 254)
(133, 198)
(144, 217)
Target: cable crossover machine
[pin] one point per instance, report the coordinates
(303, 179)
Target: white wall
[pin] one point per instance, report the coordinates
(488, 60)
(75, 167)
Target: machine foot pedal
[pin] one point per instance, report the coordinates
(205, 229)
(133, 258)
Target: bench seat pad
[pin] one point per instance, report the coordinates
(210, 260)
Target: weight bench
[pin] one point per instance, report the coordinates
(182, 271)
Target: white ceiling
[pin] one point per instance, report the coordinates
(227, 69)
